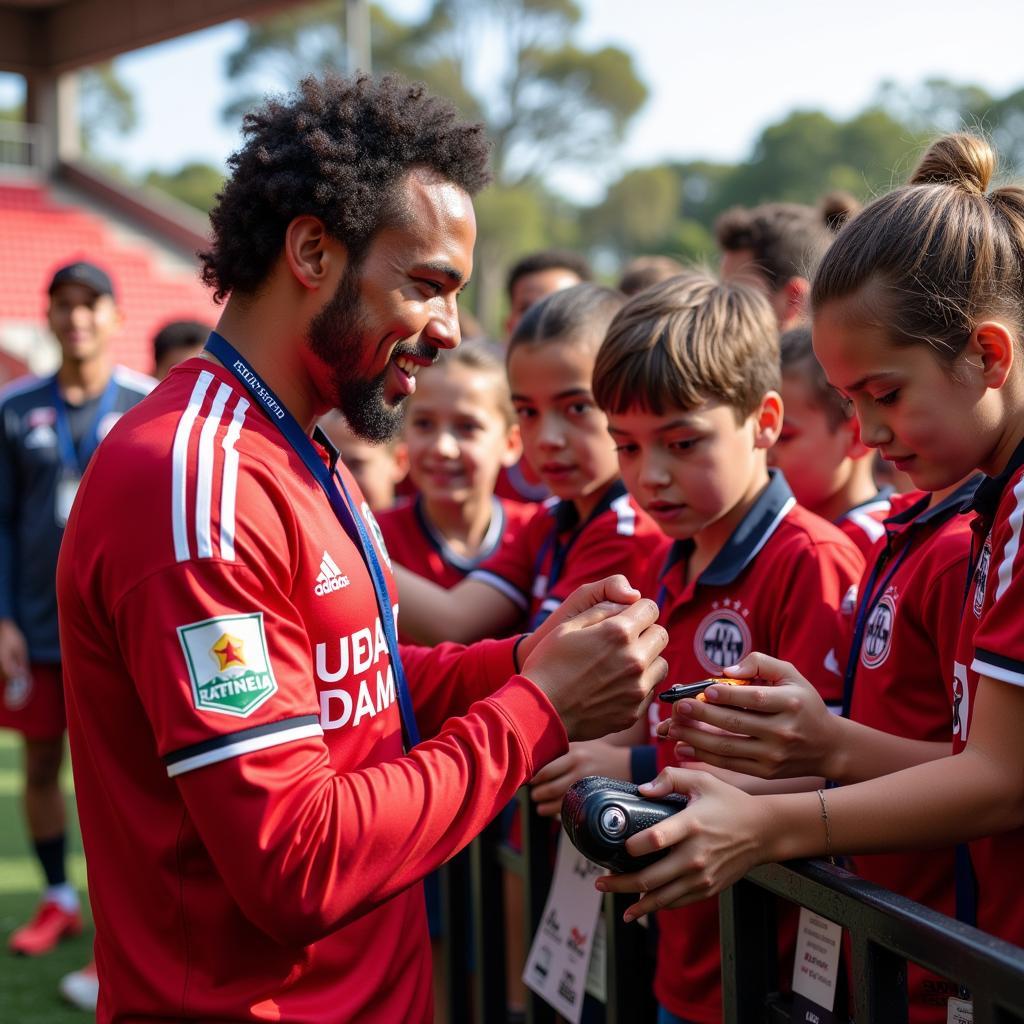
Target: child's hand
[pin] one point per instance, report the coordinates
(781, 730)
(715, 841)
(592, 757)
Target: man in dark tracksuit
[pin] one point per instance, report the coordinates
(49, 428)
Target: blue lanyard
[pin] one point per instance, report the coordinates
(341, 502)
(77, 458)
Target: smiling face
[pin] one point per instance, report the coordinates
(698, 469)
(82, 321)
(933, 420)
(396, 308)
(565, 436)
(457, 434)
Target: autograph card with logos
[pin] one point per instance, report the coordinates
(559, 959)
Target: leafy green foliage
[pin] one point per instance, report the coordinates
(106, 104)
(194, 183)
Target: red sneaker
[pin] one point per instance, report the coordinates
(51, 924)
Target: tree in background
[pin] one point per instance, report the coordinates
(548, 103)
(106, 104)
(194, 183)
(798, 159)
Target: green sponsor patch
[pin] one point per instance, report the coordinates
(228, 664)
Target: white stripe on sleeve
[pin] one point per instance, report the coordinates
(230, 750)
(229, 483)
(1012, 548)
(179, 465)
(204, 473)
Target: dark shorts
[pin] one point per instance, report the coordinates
(34, 705)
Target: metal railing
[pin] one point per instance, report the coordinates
(885, 932)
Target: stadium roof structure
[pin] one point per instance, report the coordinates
(50, 37)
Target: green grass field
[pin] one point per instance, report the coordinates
(28, 986)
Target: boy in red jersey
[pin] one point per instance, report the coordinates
(590, 528)
(245, 732)
(749, 568)
(459, 432)
(820, 451)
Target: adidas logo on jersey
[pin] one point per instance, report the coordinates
(331, 578)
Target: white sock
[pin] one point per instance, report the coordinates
(63, 895)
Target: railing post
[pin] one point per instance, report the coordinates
(455, 884)
(749, 937)
(489, 924)
(629, 983)
(879, 982)
(537, 874)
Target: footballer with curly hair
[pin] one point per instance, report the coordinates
(257, 809)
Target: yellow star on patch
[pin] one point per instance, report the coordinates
(228, 651)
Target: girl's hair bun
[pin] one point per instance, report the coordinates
(964, 160)
(837, 208)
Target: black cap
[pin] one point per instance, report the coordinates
(83, 273)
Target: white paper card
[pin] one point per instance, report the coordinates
(959, 1011)
(816, 968)
(556, 968)
(596, 976)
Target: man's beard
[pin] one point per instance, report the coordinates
(336, 335)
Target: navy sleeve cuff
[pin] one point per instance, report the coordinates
(643, 763)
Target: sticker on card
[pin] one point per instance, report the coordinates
(959, 1011)
(815, 968)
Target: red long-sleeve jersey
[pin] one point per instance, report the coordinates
(253, 831)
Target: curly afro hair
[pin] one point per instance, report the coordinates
(336, 149)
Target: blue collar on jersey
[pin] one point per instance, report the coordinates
(919, 514)
(567, 518)
(986, 497)
(763, 518)
(884, 494)
(490, 543)
(333, 485)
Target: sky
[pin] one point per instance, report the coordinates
(717, 72)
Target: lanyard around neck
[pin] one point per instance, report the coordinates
(334, 487)
(76, 457)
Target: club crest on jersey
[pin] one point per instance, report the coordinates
(330, 577)
(723, 637)
(878, 632)
(981, 577)
(228, 664)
